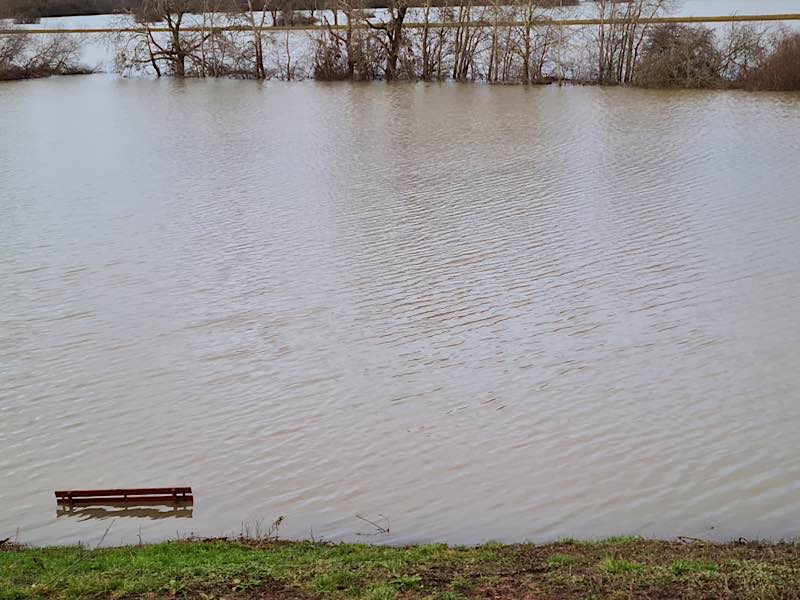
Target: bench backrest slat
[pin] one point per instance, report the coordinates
(167, 491)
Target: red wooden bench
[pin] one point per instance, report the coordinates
(166, 495)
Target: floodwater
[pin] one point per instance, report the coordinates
(482, 312)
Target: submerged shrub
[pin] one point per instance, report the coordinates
(11, 50)
(679, 56)
(357, 57)
(780, 68)
(330, 63)
(24, 56)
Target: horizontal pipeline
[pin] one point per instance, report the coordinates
(447, 25)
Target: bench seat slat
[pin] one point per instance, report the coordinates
(129, 500)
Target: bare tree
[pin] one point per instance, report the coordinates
(283, 57)
(466, 41)
(255, 15)
(535, 41)
(426, 50)
(392, 37)
(181, 47)
(343, 49)
(620, 36)
(743, 48)
(494, 40)
(173, 52)
(432, 41)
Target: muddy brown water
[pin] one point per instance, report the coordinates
(483, 312)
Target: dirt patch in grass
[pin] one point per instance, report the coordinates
(270, 590)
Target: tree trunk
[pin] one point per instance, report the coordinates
(395, 34)
(426, 76)
(178, 53)
(180, 65)
(526, 56)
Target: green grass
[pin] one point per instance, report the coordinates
(381, 592)
(617, 566)
(560, 560)
(685, 567)
(620, 540)
(566, 569)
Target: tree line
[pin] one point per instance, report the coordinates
(30, 11)
(513, 41)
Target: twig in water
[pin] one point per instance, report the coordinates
(380, 529)
(105, 533)
(83, 555)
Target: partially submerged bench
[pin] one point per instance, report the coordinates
(181, 510)
(166, 495)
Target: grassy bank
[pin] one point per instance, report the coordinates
(615, 568)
